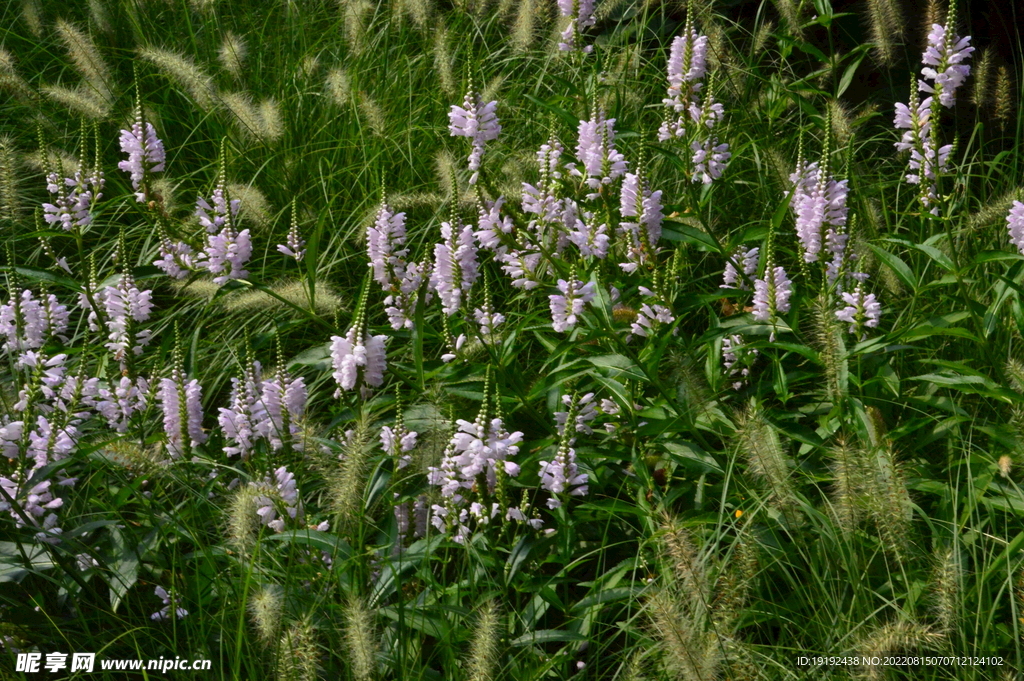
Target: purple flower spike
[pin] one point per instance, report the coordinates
(145, 153)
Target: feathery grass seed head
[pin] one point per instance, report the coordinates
(360, 639)
(232, 53)
(266, 608)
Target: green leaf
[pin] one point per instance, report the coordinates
(49, 277)
(848, 74)
(683, 232)
(546, 636)
(992, 256)
(12, 564)
(693, 457)
(323, 541)
(896, 264)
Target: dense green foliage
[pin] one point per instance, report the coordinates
(851, 494)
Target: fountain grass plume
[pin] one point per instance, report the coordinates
(232, 54)
(266, 609)
(87, 60)
(242, 524)
(183, 71)
(760, 444)
(360, 639)
(484, 648)
(298, 653)
(346, 478)
(895, 638)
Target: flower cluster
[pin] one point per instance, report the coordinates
(1014, 223)
(455, 266)
(477, 121)
(478, 456)
(943, 72)
(124, 306)
(737, 359)
(862, 310)
(401, 280)
(595, 149)
(637, 201)
(687, 66)
(181, 403)
(565, 307)
(944, 65)
(771, 294)
(749, 260)
(819, 201)
(262, 408)
(27, 322)
(561, 475)
(75, 198)
(397, 442)
(275, 494)
(227, 250)
(358, 355)
(145, 153)
(581, 15)
(176, 258)
(170, 602)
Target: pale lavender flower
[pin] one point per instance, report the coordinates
(492, 225)
(214, 218)
(1015, 225)
(709, 159)
(73, 206)
(35, 502)
(281, 489)
(487, 319)
(118, 403)
(567, 306)
(181, 403)
(602, 162)
(400, 305)
(454, 346)
(862, 310)
(145, 153)
(455, 266)
(687, 65)
(592, 241)
(50, 442)
(238, 421)
(478, 448)
(586, 411)
(772, 294)
(384, 241)
(170, 602)
(125, 305)
(927, 158)
(284, 401)
(638, 201)
(294, 245)
(736, 359)
(477, 121)
(175, 258)
(946, 52)
(523, 267)
(397, 442)
(749, 260)
(226, 254)
(561, 475)
(648, 316)
(358, 355)
(581, 13)
(10, 438)
(27, 321)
